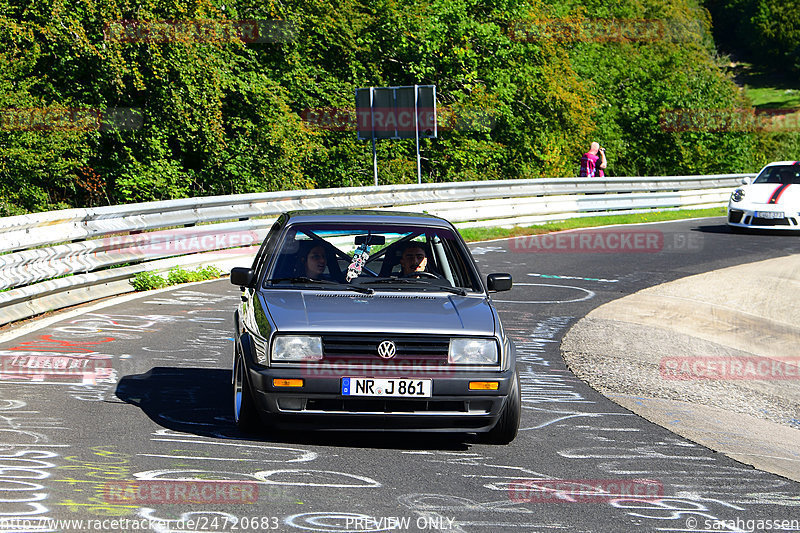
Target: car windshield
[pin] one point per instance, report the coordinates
(780, 174)
(372, 257)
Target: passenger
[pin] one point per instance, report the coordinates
(314, 263)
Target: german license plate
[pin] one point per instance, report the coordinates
(410, 388)
(769, 214)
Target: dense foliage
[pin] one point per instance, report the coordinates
(226, 116)
(145, 281)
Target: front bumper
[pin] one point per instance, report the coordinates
(319, 403)
(746, 217)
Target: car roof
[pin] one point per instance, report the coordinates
(360, 216)
(779, 163)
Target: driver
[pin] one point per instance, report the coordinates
(413, 259)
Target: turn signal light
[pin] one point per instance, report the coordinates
(483, 385)
(287, 382)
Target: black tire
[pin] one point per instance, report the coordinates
(244, 409)
(505, 430)
(737, 229)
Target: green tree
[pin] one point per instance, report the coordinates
(762, 31)
(223, 116)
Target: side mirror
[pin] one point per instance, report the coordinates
(241, 276)
(498, 282)
(747, 181)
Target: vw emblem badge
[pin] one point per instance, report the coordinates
(387, 349)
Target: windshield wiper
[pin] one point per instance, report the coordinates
(388, 280)
(305, 279)
(454, 290)
(418, 282)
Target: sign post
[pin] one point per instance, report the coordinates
(406, 112)
(416, 134)
(372, 129)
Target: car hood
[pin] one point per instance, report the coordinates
(761, 193)
(387, 312)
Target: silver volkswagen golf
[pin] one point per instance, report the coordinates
(368, 320)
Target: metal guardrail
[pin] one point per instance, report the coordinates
(83, 244)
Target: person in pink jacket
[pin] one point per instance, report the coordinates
(592, 164)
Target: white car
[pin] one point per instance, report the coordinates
(771, 200)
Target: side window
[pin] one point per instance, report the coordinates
(771, 175)
(462, 274)
(262, 257)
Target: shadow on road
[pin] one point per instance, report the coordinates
(713, 228)
(724, 228)
(199, 401)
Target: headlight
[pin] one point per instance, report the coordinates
(297, 348)
(472, 352)
(737, 195)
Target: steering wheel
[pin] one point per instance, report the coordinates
(420, 273)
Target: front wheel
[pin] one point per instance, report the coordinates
(244, 409)
(505, 430)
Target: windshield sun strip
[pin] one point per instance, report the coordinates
(404, 234)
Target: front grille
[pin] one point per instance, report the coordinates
(735, 216)
(758, 221)
(418, 350)
(397, 406)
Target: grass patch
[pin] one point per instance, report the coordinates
(772, 98)
(485, 234)
(767, 90)
(145, 281)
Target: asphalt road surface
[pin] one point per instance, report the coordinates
(140, 392)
